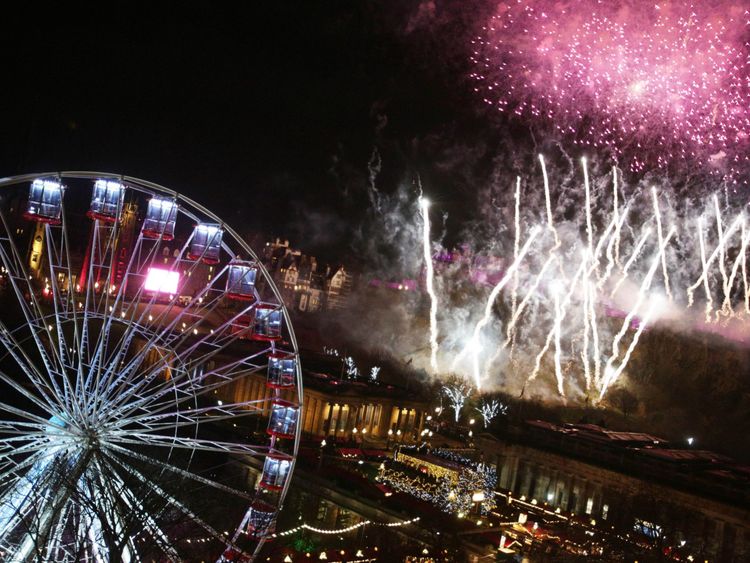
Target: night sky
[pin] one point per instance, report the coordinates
(268, 114)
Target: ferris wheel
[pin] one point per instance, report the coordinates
(147, 363)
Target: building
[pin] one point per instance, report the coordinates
(305, 284)
(635, 483)
(339, 283)
(335, 408)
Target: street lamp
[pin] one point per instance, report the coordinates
(320, 456)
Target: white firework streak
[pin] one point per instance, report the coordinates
(424, 205)
(660, 235)
(585, 348)
(726, 307)
(529, 294)
(550, 335)
(719, 249)
(645, 285)
(585, 271)
(722, 256)
(548, 201)
(631, 260)
(589, 311)
(612, 377)
(616, 211)
(473, 344)
(614, 241)
(595, 335)
(558, 348)
(746, 291)
(589, 305)
(709, 298)
(516, 246)
(589, 227)
(510, 331)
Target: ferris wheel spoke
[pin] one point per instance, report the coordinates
(198, 307)
(127, 511)
(109, 316)
(116, 355)
(46, 399)
(184, 442)
(99, 263)
(30, 416)
(144, 380)
(158, 330)
(31, 310)
(181, 472)
(150, 420)
(176, 503)
(161, 397)
(58, 261)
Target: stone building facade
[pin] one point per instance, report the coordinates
(334, 407)
(711, 529)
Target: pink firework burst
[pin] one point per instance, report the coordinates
(650, 82)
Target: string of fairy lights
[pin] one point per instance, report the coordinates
(351, 528)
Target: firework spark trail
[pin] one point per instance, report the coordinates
(612, 376)
(558, 348)
(550, 334)
(613, 242)
(586, 328)
(510, 330)
(589, 264)
(745, 290)
(589, 304)
(424, 205)
(719, 249)
(707, 289)
(589, 316)
(645, 285)
(548, 203)
(589, 228)
(473, 345)
(726, 306)
(595, 336)
(516, 247)
(722, 256)
(527, 298)
(702, 243)
(660, 235)
(633, 257)
(616, 209)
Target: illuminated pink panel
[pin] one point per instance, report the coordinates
(162, 281)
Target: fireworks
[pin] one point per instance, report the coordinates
(584, 289)
(649, 82)
(424, 205)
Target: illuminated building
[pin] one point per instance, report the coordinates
(637, 483)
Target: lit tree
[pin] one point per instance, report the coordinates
(490, 409)
(351, 368)
(457, 394)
